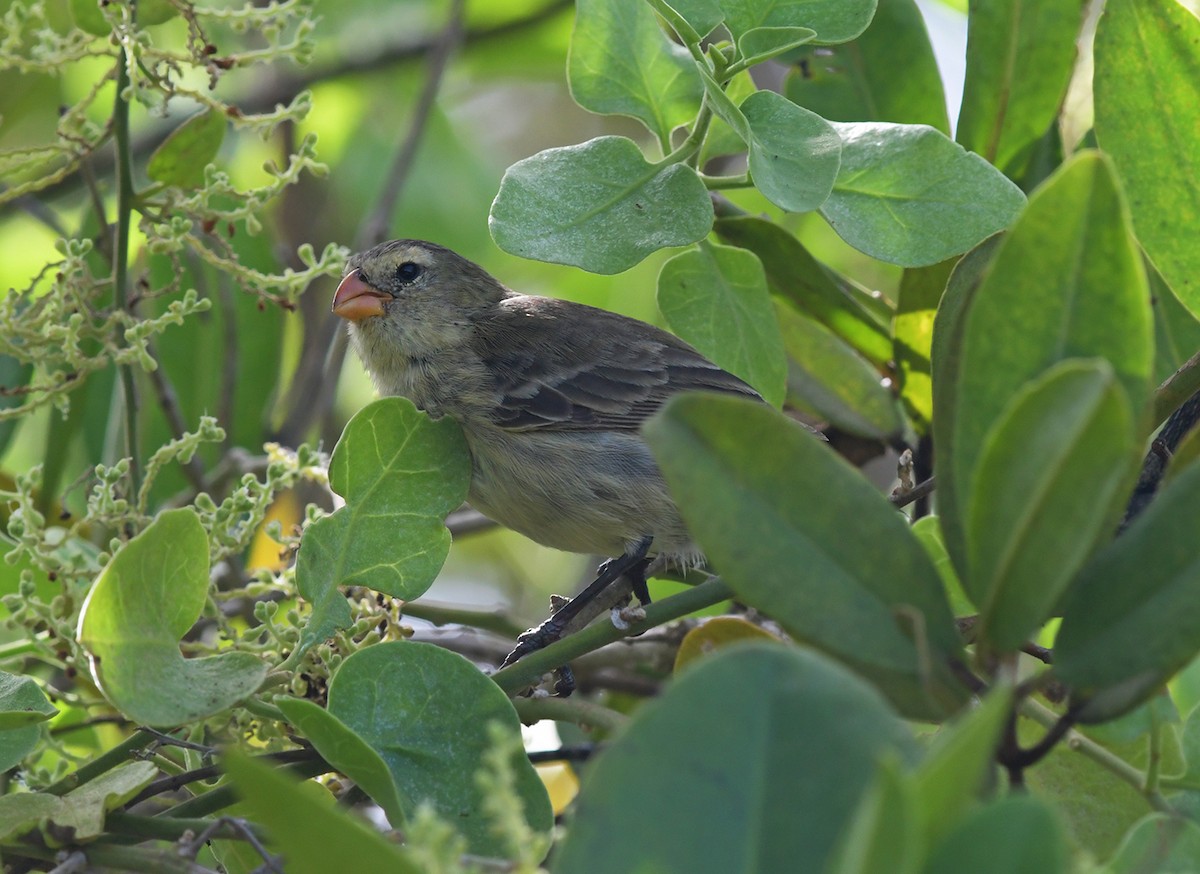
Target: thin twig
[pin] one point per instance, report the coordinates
(920, 490)
(375, 229)
(529, 669)
(121, 260)
(576, 710)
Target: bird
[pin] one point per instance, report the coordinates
(550, 395)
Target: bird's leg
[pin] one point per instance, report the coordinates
(631, 565)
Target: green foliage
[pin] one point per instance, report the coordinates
(177, 555)
(400, 474)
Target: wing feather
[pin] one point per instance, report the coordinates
(565, 366)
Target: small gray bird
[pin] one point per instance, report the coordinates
(551, 396)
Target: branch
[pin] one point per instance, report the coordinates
(375, 228)
(528, 670)
(1154, 467)
(121, 259)
(576, 710)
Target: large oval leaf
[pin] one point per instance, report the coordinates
(801, 535)
(622, 63)
(834, 381)
(1066, 282)
(1147, 116)
(144, 601)
(795, 275)
(1019, 60)
(858, 81)
(716, 298)
(909, 195)
(599, 205)
(1051, 481)
(400, 473)
(316, 837)
(794, 153)
(795, 736)
(834, 20)
(427, 712)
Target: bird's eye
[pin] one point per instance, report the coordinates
(408, 271)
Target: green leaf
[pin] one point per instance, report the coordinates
(1066, 282)
(858, 81)
(794, 153)
(1052, 478)
(1014, 835)
(1176, 330)
(22, 811)
(1098, 806)
(814, 289)
(400, 473)
(17, 743)
(954, 772)
(921, 290)
(834, 380)
(155, 11)
(882, 836)
(1020, 54)
(181, 158)
(909, 195)
(317, 837)
(842, 573)
(702, 15)
(146, 598)
(716, 298)
(349, 753)
(83, 810)
(945, 359)
(834, 20)
(1147, 115)
(836, 729)
(22, 702)
(763, 43)
(1158, 843)
(89, 18)
(928, 530)
(722, 139)
(1132, 618)
(426, 711)
(621, 63)
(598, 205)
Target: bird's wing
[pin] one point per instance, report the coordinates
(565, 366)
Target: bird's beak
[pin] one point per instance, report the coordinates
(355, 300)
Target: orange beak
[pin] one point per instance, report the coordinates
(355, 300)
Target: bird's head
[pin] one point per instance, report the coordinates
(417, 295)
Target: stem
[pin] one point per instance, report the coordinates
(447, 614)
(1155, 754)
(120, 257)
(695, 138)
(1098, 754)
(164, 828)
(679, 24)
(106, 762)
(1177, 388)
(225, 795)
(528, 670)
(574, 710)
(717, 183)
